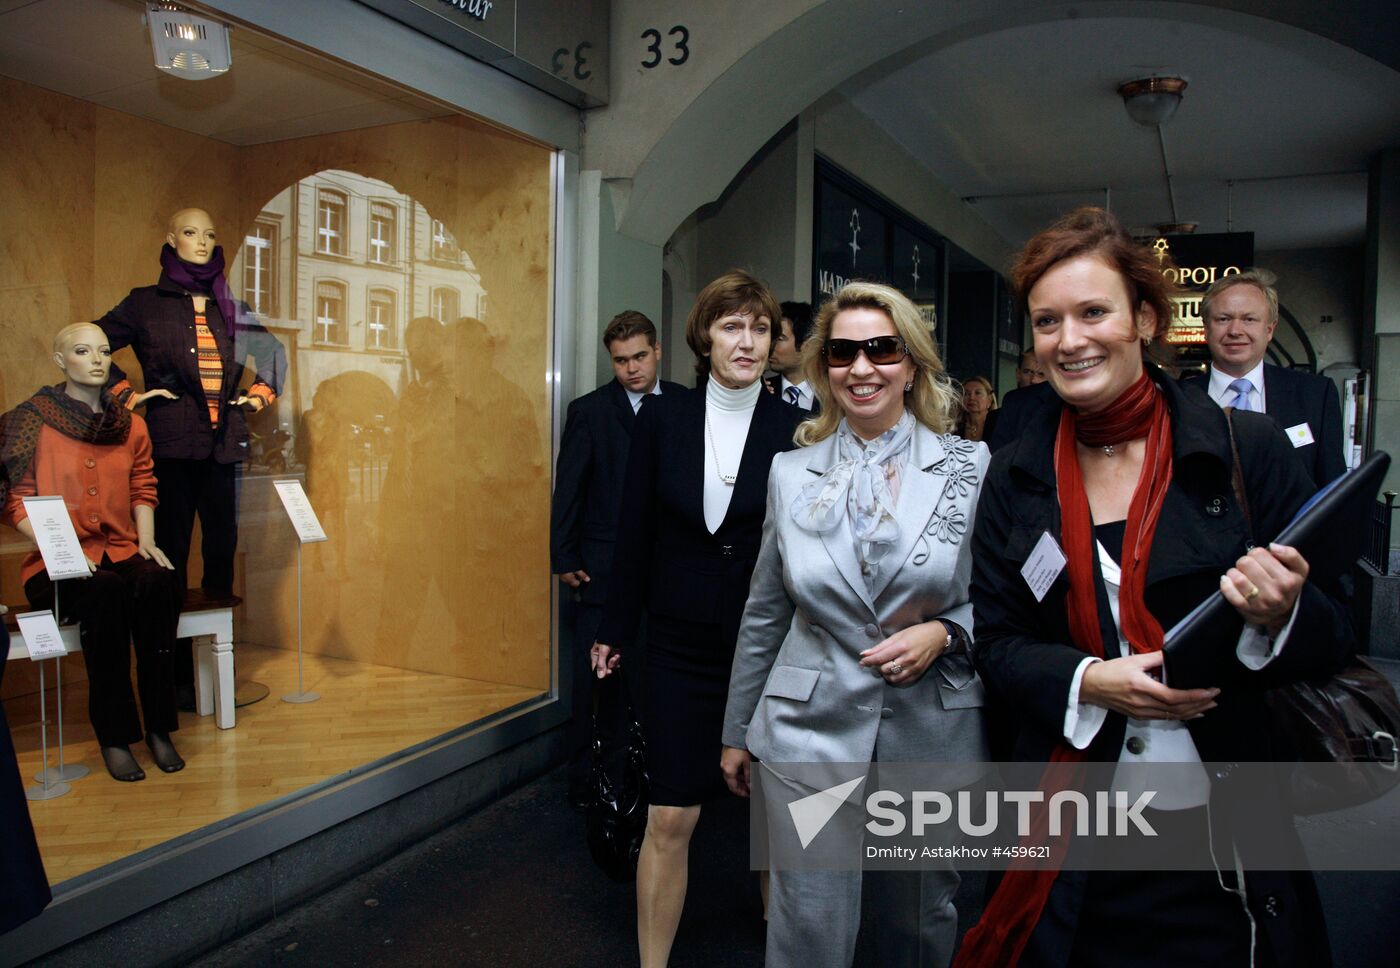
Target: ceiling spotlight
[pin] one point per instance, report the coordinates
(1152, 100)
(188, 46)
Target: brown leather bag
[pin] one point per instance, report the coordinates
(1351, 718)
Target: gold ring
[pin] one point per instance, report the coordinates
(1252, 594)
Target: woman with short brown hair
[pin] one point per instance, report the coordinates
(693, 502)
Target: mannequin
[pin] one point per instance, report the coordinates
(192, 339)
(76, 441)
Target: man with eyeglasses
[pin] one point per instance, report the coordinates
(1240, 312)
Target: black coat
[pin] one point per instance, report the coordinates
(588, 484)
(1024, 651)
(157, 322)
(667, 561)
(1017, 409)
(1293, 397)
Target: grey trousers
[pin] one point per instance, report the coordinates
(814, 915)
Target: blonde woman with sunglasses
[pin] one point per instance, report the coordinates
(854, 642)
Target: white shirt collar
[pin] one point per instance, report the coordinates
(804, 392)
(1221, 393)
(636, 398)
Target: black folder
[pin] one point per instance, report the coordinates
(1330, 531)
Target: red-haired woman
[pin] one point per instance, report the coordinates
(1130, 474)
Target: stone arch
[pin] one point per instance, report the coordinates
(694, 157)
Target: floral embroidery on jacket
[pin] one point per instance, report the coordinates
(948, 523)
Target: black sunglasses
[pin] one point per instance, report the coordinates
(878, 349)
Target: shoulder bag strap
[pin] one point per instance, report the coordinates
(1237, 477)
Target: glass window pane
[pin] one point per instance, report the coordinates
(363, 266)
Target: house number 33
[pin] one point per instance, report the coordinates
(679, 45)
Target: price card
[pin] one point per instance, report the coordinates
(58, 542)
(299, 510)
(41, 635)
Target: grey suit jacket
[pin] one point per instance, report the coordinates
(797, 691)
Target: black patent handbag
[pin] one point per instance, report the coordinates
(616, 815)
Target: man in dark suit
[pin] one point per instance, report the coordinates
(587, 503)
(785, 359)
(1240, 314)
(1005, 423)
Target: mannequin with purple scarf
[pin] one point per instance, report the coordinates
(193, 341)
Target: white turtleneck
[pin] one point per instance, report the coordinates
(727, 417)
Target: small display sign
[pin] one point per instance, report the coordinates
(58, 542)
(299, 510)
(41, 635)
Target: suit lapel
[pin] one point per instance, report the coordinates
(691, 464)
(919, 493)
(838, 541)
(622, 406)
(1278, 402)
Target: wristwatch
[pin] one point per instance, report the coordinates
(958, 641)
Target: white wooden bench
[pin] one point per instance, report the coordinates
(206, 618)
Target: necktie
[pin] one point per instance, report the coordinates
(793, 395)
(1241, 388)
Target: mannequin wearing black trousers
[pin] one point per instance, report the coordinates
(192, 339)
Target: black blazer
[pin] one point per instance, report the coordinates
(1293, 397)
(1024, 650)
(1006, 423)
(667, 561)
(157, 322)
(588, 484)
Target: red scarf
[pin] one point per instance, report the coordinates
(1000, 936)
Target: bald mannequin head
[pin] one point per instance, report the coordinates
(191, 235)
(84, 354)
(68, 335)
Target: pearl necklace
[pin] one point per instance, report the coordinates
(728, 479)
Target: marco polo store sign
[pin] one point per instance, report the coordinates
(1192, 263)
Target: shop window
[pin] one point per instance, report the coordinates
(427, 609)
(330, 313)
(259, 268)
(382, 321)
(445, 304)
(383, 230)
(330, 222)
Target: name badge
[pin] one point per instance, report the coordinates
(1043, 566)
(1301, 435)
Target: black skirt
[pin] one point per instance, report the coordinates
(687, 668)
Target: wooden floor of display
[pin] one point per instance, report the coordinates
(365, 712)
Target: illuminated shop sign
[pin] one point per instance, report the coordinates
(1192, 263)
